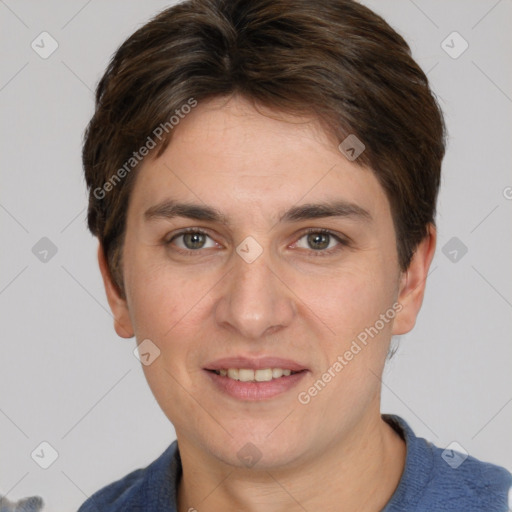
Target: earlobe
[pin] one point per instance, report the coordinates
(118, 305)
(413, 283)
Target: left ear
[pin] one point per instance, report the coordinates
(413, 282)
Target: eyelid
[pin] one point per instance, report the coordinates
(187, 230)
(335, 234)
(168, 243)
(342, 240)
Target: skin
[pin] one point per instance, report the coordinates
(291, 302)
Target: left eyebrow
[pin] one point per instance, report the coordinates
(339, 208)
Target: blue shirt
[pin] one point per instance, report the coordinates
(433, 481)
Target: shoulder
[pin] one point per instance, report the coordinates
(458, 479)
(124, 494)
(447, 480)
(143, 489)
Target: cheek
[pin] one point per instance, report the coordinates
(159, 298)
(172, 309)
(351, 299)
(165, 308)
(351, 305)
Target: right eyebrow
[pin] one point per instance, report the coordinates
(169, 209)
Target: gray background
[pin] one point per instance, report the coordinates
(67, 379)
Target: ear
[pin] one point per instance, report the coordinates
(413, 282)
(118, 305)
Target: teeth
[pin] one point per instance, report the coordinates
(249, 375)
(245, 375)
(233, 373)
(263, 375)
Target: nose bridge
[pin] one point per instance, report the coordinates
(254, 302)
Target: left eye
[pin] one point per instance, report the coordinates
(318, 241)
(193, 240)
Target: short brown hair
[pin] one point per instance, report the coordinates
(333, 59)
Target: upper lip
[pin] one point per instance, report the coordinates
(252, 363)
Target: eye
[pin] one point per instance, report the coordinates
(320, 240)
(192, 240)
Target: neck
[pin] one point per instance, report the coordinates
(362, 471)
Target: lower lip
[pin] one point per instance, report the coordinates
(255, 390)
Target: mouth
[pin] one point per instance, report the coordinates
(254, 379)
(250, 375)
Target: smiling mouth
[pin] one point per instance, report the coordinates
(250, 375)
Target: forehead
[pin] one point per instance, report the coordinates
(229, 155)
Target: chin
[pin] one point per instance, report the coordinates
(256, 449)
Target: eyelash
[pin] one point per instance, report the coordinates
(342, 242)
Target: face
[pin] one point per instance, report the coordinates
(254, 246)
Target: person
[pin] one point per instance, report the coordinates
(263, 178)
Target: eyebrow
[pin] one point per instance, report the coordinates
(339, 208)
(169, 209)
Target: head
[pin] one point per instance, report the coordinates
(300, 146)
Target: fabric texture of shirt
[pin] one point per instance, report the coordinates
(433, 480)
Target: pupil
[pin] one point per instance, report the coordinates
(318, 241)
(193, 240)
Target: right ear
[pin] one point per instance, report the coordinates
(118, 304)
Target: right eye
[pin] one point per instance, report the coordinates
(191, 240)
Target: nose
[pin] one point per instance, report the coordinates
(255, 301)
